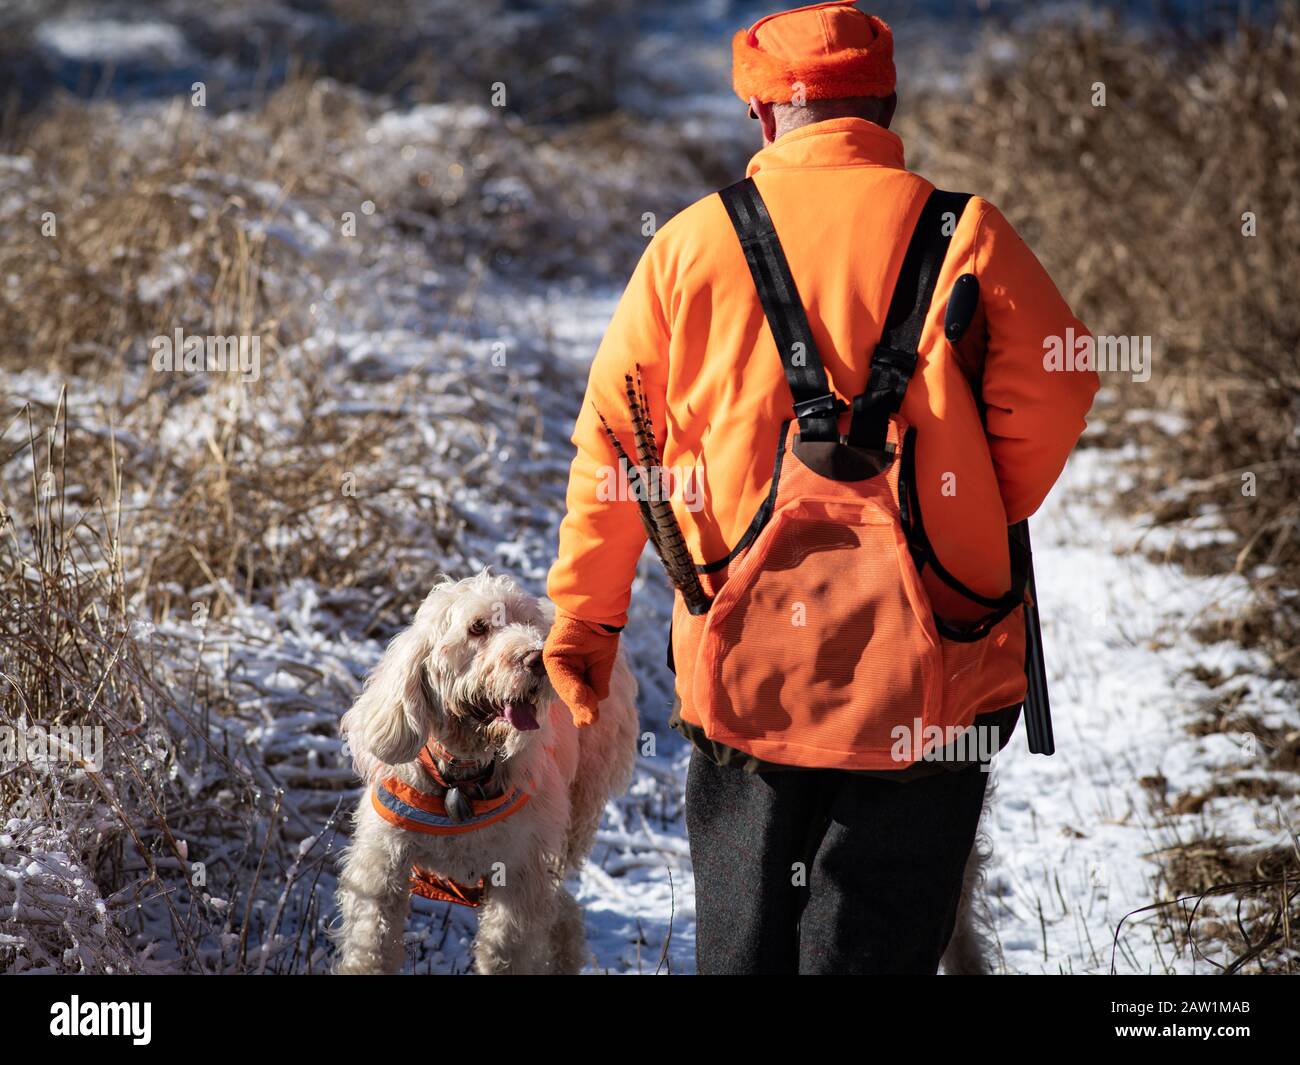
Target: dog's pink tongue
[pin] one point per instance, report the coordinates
(522, 716)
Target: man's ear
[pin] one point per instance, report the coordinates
(390, 720)
(766, 116)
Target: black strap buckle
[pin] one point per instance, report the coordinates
(809, 408)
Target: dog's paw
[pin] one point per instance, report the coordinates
(359, 966)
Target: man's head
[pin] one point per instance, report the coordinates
(829, 60)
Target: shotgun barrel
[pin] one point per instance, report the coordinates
(1038, 705)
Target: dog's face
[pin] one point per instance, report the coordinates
(468, 671)
(486, 655)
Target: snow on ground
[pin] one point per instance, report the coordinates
(1073, 834)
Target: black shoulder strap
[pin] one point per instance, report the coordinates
(814, 403)
(894, 359)
(895, 356)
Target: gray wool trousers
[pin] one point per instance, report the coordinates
(827, 872)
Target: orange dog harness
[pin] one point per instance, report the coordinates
(444, 813)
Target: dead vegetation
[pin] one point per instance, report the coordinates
(1231, 908)
(83, 846)
(159, 528)
(1240, 901)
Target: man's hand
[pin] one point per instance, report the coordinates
(579, 658)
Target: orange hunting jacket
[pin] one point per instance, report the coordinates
(844, 208)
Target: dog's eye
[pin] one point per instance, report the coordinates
(478, 627)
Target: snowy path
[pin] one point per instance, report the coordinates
(1070, 831)
(1073, 833)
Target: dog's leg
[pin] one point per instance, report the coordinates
(568, 936)
(607, 753)
(516, 921)
(374, 897)
(587, 800)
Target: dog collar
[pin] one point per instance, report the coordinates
(448, 771)
(449, 811)
(419, 811)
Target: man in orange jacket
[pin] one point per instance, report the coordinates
(803, 861)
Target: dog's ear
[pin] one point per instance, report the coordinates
(391, 719)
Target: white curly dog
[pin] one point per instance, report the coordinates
(474, 773)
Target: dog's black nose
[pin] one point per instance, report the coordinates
(532, 662)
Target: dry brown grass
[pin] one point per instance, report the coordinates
(1233, 909)
(162, 498)
(74, 653)
(156, 228)
(176, 225)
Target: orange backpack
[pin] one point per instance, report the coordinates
(820, 647)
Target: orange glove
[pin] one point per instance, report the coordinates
(579, 658)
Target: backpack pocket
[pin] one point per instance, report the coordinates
(822, 644)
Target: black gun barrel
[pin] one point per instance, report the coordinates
(1038, 706)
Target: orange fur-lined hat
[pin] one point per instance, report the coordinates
(828, 50)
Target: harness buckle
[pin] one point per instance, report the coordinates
(826, 404)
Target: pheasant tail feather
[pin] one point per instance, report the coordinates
(636, 481)
(669, 541)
